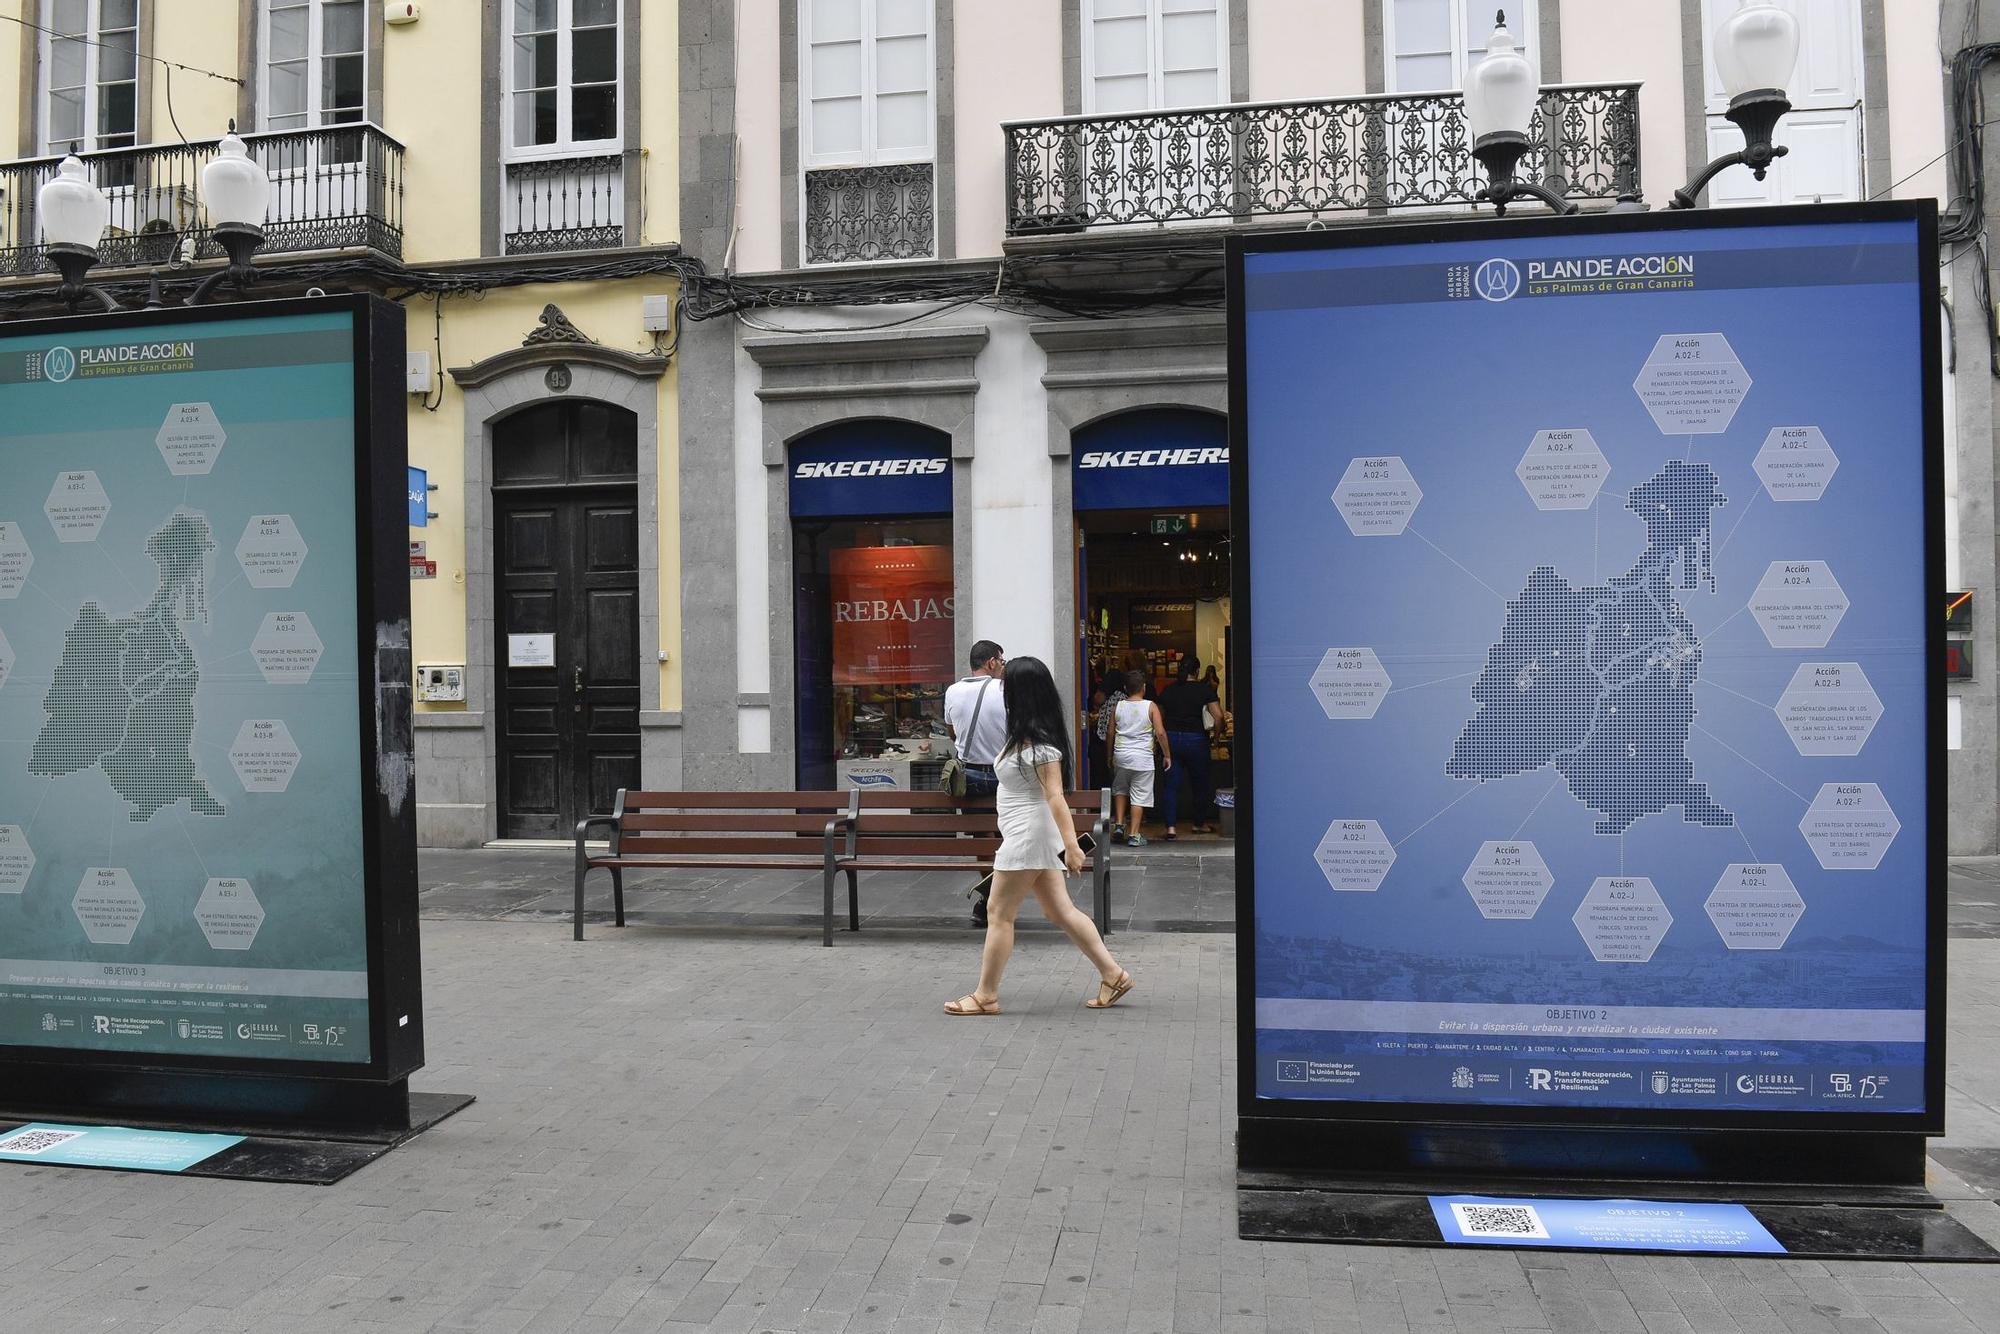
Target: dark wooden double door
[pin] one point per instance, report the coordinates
(566, 549)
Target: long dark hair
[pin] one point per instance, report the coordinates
(1034, 710)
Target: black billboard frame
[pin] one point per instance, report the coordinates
(292, 1097)
(1378, 1141)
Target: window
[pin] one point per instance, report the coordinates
(90, 71)
(562, 76)
(867, 82)
(315, 63)
(1430, 44)
(1150, 55)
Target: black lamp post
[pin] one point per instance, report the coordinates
(1756, 49)
(1500, 95)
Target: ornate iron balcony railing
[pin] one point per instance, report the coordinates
(336, 188)
(568, 203)
(1257, 160)
(858, 214)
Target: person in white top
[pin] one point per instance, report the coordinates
(1135, 729)
(975, 714)
(1037, 841)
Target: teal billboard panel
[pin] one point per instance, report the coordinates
(182, 769)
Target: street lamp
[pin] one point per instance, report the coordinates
(73, 214)
(1755, 50)
(1500, 96)
(238, 194)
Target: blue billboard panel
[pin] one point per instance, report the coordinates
(1591, 710)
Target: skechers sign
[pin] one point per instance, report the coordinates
(1161, 458)
(871, 469)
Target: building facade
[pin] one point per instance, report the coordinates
(769, 352)
(509, 173)
(974, 347)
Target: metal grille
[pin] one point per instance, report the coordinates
(856, 214)
(575, 203)
(331, 189)
(1358, 155)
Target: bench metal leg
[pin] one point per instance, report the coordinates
(618, 896)
(581, 871)
(853, 902)
(1101, 908)
(826, 921)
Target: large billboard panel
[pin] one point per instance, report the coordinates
(1591, 582)
(192, 749)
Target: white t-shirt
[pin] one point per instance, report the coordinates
(1133, 747)
(960, 699)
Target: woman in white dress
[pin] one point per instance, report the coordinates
(1038, 841)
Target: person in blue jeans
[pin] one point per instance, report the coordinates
(1188, 707)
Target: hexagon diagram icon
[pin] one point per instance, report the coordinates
(286, 648)
(77, 506)
(1798, 604)
(1350, 683)
(1849, 826)
(1508, 880)
(1376, 496)
(17, 859)
(1354, 856)
(108, 906)
(1622, 919)
(1795, 463)
(190, 438)
(1692, 384)
(1829, 708)
(1562, 470)
(229, 914)
(1754, 906)
(270, 551)
(264, 755)
(15, 560)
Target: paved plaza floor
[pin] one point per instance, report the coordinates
(708, 1122)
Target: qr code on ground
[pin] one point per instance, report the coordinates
(37, 1141)
(1500, 1220)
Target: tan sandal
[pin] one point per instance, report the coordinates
(1110, 993)
(971, 1004)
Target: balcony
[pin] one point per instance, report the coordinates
(337, 188)
(565, 203)
(1252, 161)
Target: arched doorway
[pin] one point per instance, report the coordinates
(1149, 491)
(566, 613)
(873, 606)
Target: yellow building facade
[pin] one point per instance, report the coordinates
(509, 173)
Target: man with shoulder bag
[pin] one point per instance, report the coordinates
(975, 714)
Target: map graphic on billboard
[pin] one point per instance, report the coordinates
(181, 845)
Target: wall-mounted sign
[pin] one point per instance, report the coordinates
(420, 498)
(531, 650)
(421, 566)
(1958, 611)
(1156, 458)
(872, 469)
(1170, 525)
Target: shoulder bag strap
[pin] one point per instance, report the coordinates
(972, 728)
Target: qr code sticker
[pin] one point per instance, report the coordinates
(37, 1141)
(1500, 1220)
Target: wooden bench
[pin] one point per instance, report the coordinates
(931, 831)
(786, 831)
(834, 833)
